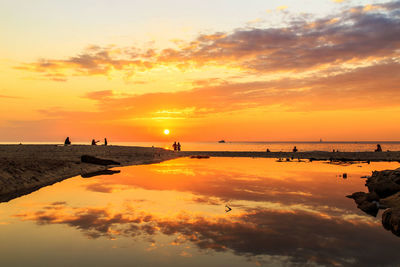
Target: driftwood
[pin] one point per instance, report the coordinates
(97, 173)
(97, 161)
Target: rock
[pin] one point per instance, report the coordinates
(391, 220)
(98, 161)
(370, 208)
(360, 197)
(392, 201)
(384, 183)
(367, 202)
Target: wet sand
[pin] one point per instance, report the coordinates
(26, 168)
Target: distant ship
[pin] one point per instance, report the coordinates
(221, 141)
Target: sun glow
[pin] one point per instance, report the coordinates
(166, 131)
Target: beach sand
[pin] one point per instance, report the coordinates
(26, 168)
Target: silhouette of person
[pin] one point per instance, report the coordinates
(94, 142)
(378, 148)
(295, 149)
(178, 146)
(105, 141)
(67, 142)
(268, 150)
(175, 146)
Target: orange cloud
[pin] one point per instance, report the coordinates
(372, 31)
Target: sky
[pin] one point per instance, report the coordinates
(206, 70)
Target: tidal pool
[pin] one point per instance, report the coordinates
(175, 214)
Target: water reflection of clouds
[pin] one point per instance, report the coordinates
(302, 237)
(229, 185)
(289, 216)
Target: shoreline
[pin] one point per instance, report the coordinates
(311, 155)
(26, 168)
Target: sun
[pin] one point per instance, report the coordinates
(166, 131)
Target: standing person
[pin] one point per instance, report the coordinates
(174, 146)
(295, 149)
(67, 141)
(105, 141)
(179, 146)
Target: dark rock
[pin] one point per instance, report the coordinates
(367, 202)
(384, 183)
(359, 197)
(392, 201)
(370, 208)
(372, 196)
(391, 220)
(97, 161)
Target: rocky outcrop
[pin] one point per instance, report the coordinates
(391, 220)
(384, 193)
(384, 183)
(367, 202)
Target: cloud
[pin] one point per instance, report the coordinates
(344, 61)
(362, 33)
(11, 97)
(354, 88)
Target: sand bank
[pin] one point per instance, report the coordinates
(26, 168)
(313, 155)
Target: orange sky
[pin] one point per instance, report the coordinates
(266, 73)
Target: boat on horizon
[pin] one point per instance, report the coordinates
(221, 141)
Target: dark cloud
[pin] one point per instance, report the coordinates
(301, 45)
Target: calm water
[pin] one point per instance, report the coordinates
(173, 214)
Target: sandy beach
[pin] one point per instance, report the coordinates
(26, 168)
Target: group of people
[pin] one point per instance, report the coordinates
(378, 149)
(94, 142)
(67, 142)
(176, 146)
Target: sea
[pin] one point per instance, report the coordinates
(348, 146)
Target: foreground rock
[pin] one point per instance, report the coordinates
(384, 193)
(367, 202)
(26, 168)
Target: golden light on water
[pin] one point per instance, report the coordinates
(166, 131)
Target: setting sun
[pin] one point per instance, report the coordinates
(166, 132)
